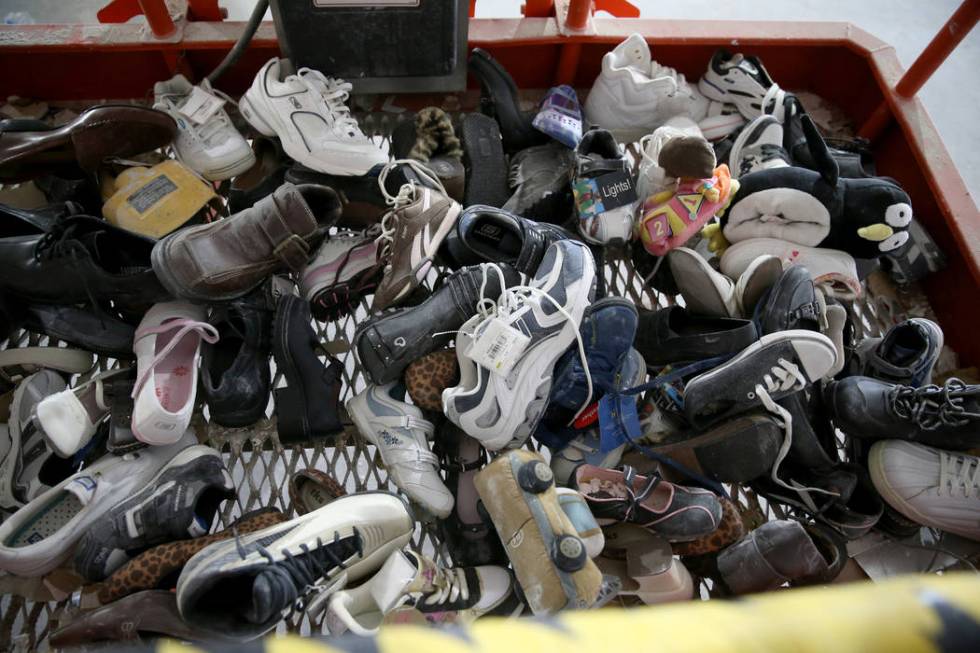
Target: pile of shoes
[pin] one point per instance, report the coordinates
(570, 448)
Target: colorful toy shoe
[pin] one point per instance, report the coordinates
(560, 116)
(671, 218)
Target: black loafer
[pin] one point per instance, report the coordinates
(674, 335)
(309, 406)
(99, 333)
(386, 344)
(235, 375)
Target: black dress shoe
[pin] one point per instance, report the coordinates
(387, 343)
(42, 219)
(235, 375)
(791, 303)
(81, 259)
(488, 234)
(673, 335)
(947, 417)
(309, 406)
(498, 99)
(92, 330)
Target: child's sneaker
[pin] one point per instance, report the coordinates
(560, 116)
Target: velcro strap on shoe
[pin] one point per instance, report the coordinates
(808, 311)
(294, 252)
(601, 165)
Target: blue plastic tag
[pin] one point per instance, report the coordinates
(619, 422)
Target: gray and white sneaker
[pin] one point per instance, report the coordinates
(43, 534)
(180, 503)
(933, 487)
(501, 409)
(759, 146)
(23, 449)
(238, 589)
(401, 435)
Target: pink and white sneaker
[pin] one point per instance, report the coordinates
(168, 348)
(344, 270)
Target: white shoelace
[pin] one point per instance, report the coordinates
(660, 72)
(405, 196)
(959, 473)
(784, 376)
(512, 300)
(450, 586)
(334, 93)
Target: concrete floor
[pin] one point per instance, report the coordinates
(951, 96)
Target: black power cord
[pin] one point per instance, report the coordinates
(236, 51)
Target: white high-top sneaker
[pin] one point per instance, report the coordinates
(308, 112)
(634, 95)
(207, 142)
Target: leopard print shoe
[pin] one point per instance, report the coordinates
(730, 530)
(427, 377)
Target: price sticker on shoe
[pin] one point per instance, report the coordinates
(201, 106)
(499, 347)
(601, 194)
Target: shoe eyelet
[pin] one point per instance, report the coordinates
(751, 395)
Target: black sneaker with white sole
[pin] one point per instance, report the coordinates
(759, 146)
(180, 503)
(485, 234)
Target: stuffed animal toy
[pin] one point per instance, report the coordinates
(863, 217)
(670, 218)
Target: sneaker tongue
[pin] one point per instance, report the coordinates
(403, 573)
(83, 487)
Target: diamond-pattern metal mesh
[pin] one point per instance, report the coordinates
(261, 465)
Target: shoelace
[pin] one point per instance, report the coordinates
(334, 93)
(658, 72)
(513, 299)
(297, 575)
(450, 586)
(782, 377)
(184, 327)
(959, 473)
(406, 195)
(931, 407)
(59, 242)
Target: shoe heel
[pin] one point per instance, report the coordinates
(254, 119)
(290, 411)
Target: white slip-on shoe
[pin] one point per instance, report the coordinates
(41, 535)
(308, 112)
(705, 291)
(651, 178)
(401, 435)
(207, 141)
(930, 486)
(168, 348)
(752, 284)
(69, 419)
(411, 581)
(633, 95)
(834, 271)
(239, 588)
(19, 479)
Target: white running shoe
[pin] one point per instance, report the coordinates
(744, 82)
(207, 141)
(41, 535)
(933, 487)
(634, 95)
(401, 435)
(168, 349)
(502, 407)
(411, 582)
(759, 146)
(308, 112)
(834, 271)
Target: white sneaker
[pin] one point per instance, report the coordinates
(69, 419)
(168, 349)
(410, 582)
(23, 450)
(651, 178)
(42, 534)
(705, 291)
(752, 284)
(759, 146)
(935, 488)
(721, 120)
(309, 114)
(401, 435)
(634, 95)
(213, 148)
(833, 270)
(744, 82)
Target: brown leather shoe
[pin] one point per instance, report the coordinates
(29, 148)
(149, 613)
(310, 489)
(227, 258)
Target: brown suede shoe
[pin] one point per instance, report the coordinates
(29, 148)
(148, 569)
(144, 614)
(227, 258)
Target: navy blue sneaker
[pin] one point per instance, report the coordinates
(904, 356)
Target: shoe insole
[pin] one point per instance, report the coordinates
(173, 375)
(49, 520)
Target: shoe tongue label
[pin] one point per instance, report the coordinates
(82, 487)
(198, 527)
(619, 422)
(499, 347)
(201, 106)
(602, 194)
